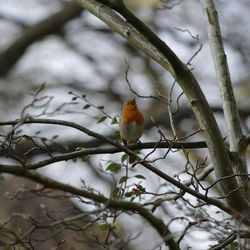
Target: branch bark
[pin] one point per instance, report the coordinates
(231, 114)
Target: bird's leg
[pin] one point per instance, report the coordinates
(124, 141)
(139, 142)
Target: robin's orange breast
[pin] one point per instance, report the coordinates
(132, 115)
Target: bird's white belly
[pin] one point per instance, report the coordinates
(131, 132)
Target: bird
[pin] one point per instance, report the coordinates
(131, 124)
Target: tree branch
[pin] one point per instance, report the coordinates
(111, 150)
(107, 150)
(231, 114)
(140, 36)
(158, 224)
(234, 130)
(119, 147)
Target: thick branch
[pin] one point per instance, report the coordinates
(231, 114)
(49, 26)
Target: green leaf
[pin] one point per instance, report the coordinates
(124, 157)
(138, 176)
(123, 179)
(102, 119)
(114, 121)
(100, 107)
(86, 106)
(74, 98)
(141, 188)
(116, 134)
(129, 194)
(83, 96)
(113, 167)
(104, 226)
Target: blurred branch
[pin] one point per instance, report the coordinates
(125, 29)
(51, 25)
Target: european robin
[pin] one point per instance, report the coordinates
(131, 124)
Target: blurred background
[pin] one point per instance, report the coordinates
(84, 73)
